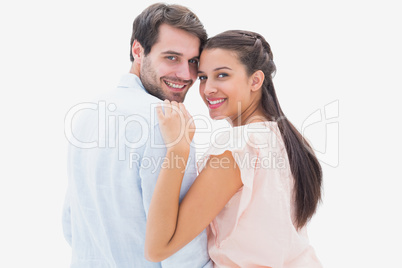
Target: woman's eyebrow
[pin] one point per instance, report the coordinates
(217, 69)
(220, 68)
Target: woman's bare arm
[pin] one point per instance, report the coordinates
(171, 226)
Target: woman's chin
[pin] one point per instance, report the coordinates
(217, 116)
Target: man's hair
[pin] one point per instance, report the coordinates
(146, 25)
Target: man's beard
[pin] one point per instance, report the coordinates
(151, 82)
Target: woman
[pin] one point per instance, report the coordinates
(258, 185)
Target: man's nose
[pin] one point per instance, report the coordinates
(184, 72)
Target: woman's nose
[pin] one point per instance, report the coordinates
(209, 88)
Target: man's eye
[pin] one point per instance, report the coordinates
(171, 57)
(193, 61)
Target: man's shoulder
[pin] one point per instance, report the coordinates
(130, 100)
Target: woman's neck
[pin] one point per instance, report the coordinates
(253, 114)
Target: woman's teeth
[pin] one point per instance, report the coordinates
(216, 101)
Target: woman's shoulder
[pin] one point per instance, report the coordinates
(258, 135)
(250, 140)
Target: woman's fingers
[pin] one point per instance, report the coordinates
(175, 104)
(167, 107)
(171, 108)
(159, 111)
(190, 126)
(184, 111)
(176, 123)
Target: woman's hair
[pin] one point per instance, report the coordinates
(255, 54)
(146, 25)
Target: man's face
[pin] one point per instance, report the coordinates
(170, 68)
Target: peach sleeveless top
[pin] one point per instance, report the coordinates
(256, 227)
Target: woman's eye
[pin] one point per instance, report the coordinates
(222, 75)
(202, 77)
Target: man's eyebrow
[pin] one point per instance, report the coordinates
(171, 52)
(217, 69)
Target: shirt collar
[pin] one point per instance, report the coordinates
(130, 80)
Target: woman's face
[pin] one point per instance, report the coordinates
(225, 86)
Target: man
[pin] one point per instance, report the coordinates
(116, 148)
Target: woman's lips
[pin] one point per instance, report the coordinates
(215, 102)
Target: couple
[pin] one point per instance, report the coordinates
(121, 211)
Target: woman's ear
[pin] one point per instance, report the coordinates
(257, 80)
(138, 52)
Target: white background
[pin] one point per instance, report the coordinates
(55, 54)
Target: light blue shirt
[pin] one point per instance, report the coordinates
(115, 154)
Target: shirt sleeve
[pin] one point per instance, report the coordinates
(66, 210)
(66, 218)
(195, 253)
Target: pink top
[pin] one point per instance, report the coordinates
(256, 227)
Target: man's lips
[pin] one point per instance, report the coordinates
(175, 86)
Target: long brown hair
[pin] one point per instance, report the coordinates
(255, 53)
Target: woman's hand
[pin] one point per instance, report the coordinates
(176, 124)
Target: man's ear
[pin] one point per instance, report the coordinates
(257, 80)
(138, 51)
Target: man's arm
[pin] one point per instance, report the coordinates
(66, 218)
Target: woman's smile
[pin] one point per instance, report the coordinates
(214, 103)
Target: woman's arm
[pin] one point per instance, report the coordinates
(171, 226)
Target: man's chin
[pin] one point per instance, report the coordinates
(178, 97)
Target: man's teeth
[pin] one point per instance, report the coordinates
(174, 85)
(216, 102)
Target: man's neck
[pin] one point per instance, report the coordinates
(135, 69)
